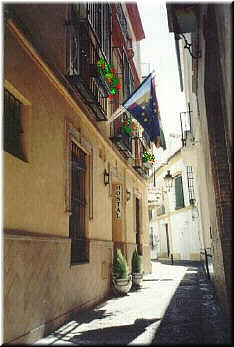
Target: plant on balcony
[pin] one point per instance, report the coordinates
(148, 158)
(130, 126)
(122, 280)
(108, 74)
(137, 274)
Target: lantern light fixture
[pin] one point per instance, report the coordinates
(168, 180)
(106, 177)
(128, 195)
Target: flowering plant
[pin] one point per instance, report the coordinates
(129, 125)
(148, 157)
(108, 73)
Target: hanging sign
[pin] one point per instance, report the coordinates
(118, 200)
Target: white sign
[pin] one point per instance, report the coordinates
(118, 200)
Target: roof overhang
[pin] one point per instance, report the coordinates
(182, 18)
(135, 19)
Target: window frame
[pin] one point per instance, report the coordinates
(179, 203)
(72, 135)
(13, 136)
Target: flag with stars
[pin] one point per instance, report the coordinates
(143, 106)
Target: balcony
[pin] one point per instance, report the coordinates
(123, 141)
(84, 52)
(144, 169)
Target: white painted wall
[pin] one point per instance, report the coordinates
(183, 229)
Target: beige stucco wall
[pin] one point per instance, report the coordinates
(43, 289)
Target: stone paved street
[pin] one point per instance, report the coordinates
(175, 305)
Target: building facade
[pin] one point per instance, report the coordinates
(174, 220)
(74, 181)
(203, 43)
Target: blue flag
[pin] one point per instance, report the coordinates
(143, 106)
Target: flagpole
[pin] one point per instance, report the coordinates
(117, 113)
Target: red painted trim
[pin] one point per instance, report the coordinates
(135, 19)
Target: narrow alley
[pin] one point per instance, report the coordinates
(117, 156)
(175, 305)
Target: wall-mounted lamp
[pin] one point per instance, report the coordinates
(188, 46)
(168, 180)
(128, 195)
(106, 177)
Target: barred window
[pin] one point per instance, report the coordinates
(190, 184)
(122, 20)
(128, 83)
(12, 125)
(99, 16)
(79, 243)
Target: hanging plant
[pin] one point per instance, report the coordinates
(130, 127)
(148, 158)
(135, 128)
(108, 73)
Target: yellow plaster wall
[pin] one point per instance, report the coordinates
(39, 184)
(34, 190)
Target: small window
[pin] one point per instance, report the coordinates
(13, 130)
(179, 192)
(128, 82)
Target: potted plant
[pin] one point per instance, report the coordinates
(122, 280)
(137, 274)
(148, 160)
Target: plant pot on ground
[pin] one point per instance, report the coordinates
(137, 274)
(122, 280)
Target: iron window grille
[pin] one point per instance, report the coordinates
(13, 130)
(79, 243)
(190, 179)
(128, 81)
(122, 20)
(98, 16)
(88, 25)
(139, 166)
(121, 139)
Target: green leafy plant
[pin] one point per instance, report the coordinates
(148, 157)
(120, 266)
(108, 73)
(136, 262)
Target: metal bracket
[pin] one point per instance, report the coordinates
(188, 46)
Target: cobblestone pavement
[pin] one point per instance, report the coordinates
(175, 305)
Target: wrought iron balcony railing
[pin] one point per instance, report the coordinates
(84, 52)
(142, 168)
(123, 141)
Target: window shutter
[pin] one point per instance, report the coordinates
(179, 192)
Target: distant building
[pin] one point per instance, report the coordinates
(174, 219)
